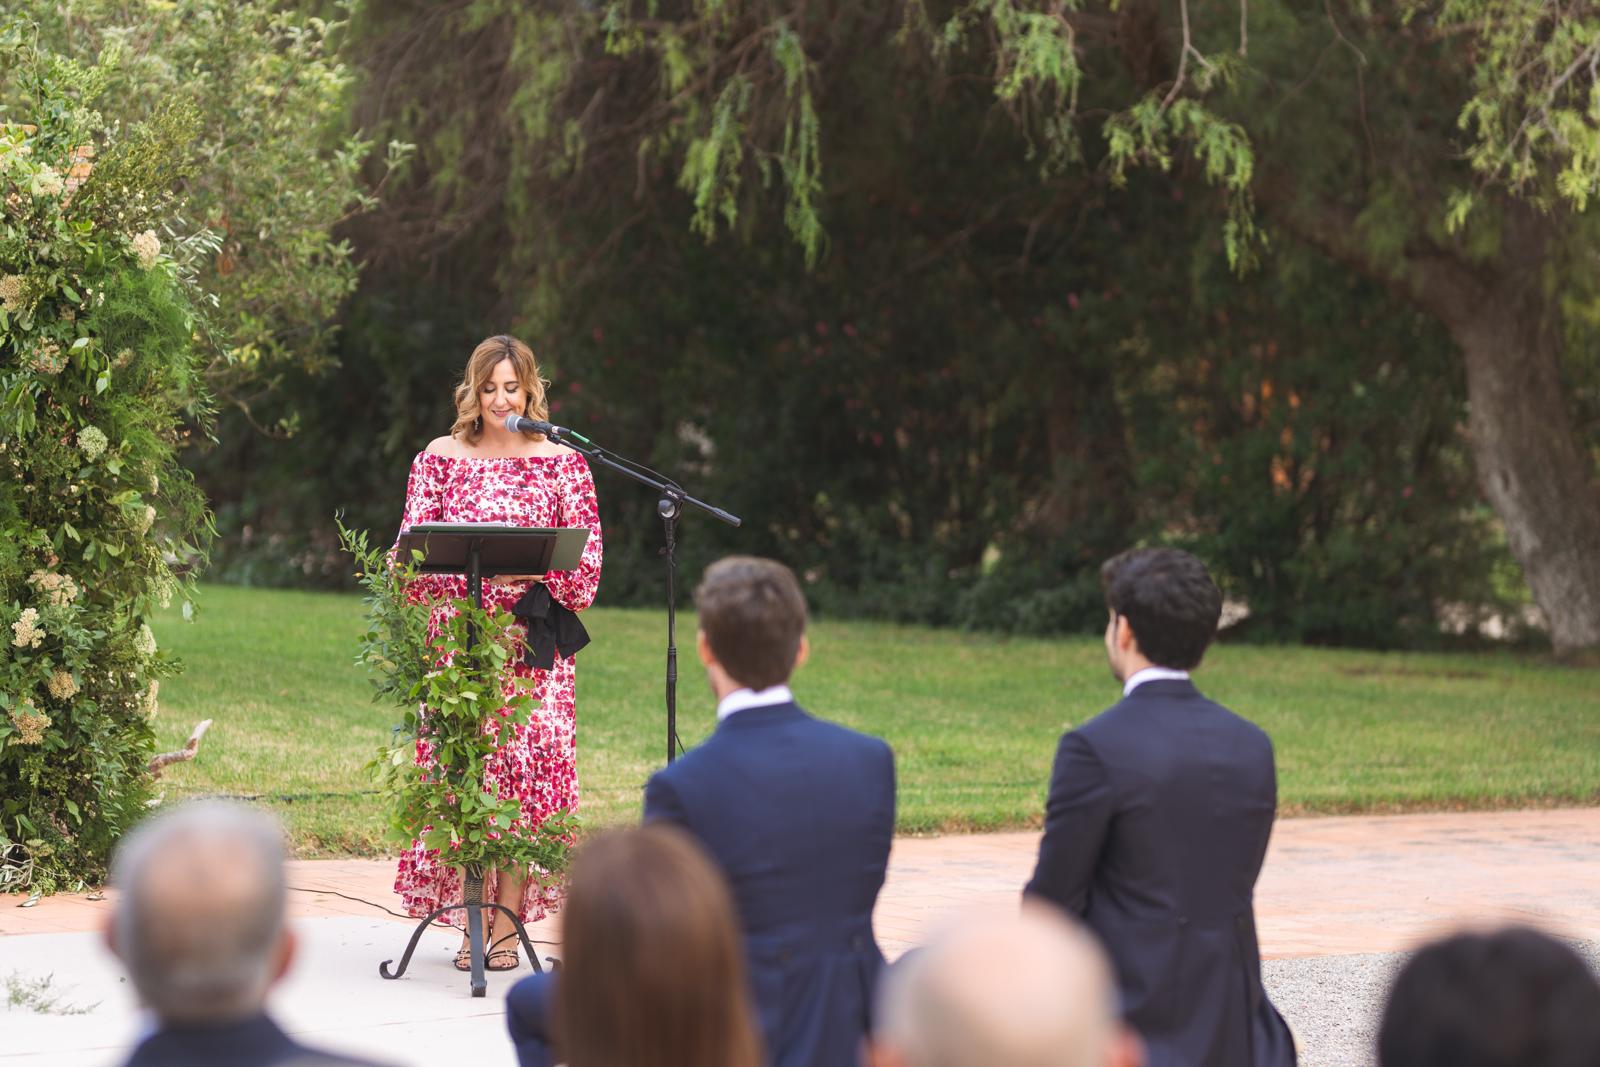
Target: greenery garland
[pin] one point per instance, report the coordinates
(99, 524)
(449, 687)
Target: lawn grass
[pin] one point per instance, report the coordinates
(973, 718)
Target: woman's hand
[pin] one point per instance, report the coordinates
(508, 579)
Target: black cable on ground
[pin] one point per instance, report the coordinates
(391, 911)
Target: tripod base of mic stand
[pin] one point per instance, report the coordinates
(473, 891)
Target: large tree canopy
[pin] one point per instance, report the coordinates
(1446, 150)
(985, 290)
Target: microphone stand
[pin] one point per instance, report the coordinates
(669, 506)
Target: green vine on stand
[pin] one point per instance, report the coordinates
(457, 676)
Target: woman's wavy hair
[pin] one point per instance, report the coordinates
(485, 358)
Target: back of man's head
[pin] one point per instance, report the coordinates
(753, 616)
(1513, 998)
(1028, 990)
(1169, 600)
(200, 910)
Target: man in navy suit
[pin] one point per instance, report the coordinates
(1156, 825)
(797, 812)
(199, 925)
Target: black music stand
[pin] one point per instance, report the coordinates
(483, 550)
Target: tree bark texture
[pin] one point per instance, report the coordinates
(1530, 467)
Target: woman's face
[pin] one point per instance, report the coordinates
(501, 394)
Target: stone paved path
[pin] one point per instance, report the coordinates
(1336, 893)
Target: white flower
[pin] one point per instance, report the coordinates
(149, 704)
(48, 183)
(155, 484)
(144, 640)
(58, 589)
(61, 685)
(146, 247)
(93, 441)
(26, 631)
(146, 519)
(31, 723)
(47, 359)
(11, 292)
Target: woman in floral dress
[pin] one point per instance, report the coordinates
(483, 472)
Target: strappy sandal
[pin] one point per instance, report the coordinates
(498, 957)
(464, 953)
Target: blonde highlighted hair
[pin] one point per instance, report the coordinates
(480, 367)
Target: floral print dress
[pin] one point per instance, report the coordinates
(537, 763)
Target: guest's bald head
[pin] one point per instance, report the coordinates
(1027, 990)
(200, 908)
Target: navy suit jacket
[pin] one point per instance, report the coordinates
(253, 1042)
(799, 815)
(1155, 829)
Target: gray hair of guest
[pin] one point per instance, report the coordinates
(199, 919)
(1026, 990)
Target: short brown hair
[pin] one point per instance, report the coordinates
(653, 972)
(480, 365)
(753, 615)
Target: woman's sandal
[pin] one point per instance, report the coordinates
(464, 953)
(498, 957)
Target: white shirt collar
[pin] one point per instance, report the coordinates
(1152, 674)
(743, 699)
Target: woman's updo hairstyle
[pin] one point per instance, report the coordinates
(480, 368)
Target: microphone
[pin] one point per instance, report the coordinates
(521, 424)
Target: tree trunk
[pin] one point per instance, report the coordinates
(1530, 467)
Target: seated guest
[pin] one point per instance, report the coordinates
(652, 970)
(1514, 998)
(796, 811)
(1030, 990)
(1157, 822)
(199, 923)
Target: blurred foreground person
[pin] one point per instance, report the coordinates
(1514, 998)
(653, 973)
(1157, 822)
(1030, 990)
(199, 924)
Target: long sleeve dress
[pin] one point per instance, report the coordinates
(537, 761)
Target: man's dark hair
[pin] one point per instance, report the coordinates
(753, 615)
(1169, 600)
(1513, 998)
